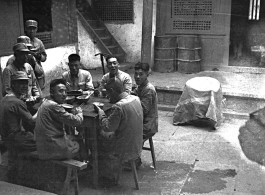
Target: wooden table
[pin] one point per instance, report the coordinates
(91, 135)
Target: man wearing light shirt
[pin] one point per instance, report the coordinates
(76, 78)
(113, 67)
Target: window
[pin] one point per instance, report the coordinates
(114, 10)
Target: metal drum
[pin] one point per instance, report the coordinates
(189, 57)
(165, 53)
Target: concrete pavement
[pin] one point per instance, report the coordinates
(190, 160)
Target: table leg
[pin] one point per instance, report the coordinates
(94, 152)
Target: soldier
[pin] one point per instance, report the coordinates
(37, 50)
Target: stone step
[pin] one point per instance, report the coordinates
(236, 105)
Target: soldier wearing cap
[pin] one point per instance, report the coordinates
(38, 49)
(20, 64)
(12, 111)
(38, 70)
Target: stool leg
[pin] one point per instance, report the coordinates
(135, 176)
(152, 152)
(67, 181)
(76, 182)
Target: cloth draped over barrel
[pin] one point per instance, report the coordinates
(201, 99)
(252, 137)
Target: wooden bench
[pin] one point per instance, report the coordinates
(72, 167)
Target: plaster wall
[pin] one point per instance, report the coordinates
(129, 35)
(87, 48)
(55, 64)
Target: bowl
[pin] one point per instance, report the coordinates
(82, 99)
(99, 104)
(70, 99)
(68, 107)
(74, 93)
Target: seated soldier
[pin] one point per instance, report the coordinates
(121, 131)
(51, 139)
(76, 78)
(12, 112)
(113, 67)
(147, 94)
(20, 64)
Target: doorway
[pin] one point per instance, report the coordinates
(247, 38)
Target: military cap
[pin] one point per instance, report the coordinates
(19, 75)
(31, 23)
(20, 47)
(24, 39)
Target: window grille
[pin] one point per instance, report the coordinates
(45, 37)
(192, 7)
(191, 25)
(115, 10)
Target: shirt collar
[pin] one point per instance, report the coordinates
(19, 67)
(143, 84)
(122, 95)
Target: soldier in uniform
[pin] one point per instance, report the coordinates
(37, 50)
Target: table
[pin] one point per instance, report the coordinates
(90, 124)
(201, 101)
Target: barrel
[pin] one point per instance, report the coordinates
(189, 53)
(165, 53)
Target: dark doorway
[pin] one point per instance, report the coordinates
(40, 11)
(247, 36)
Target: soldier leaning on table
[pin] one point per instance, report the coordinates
(121, 134)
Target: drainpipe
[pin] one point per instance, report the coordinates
(147, 23)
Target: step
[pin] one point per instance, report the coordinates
(101, 32)
(88, 15)
(94, 23)
(113, 48)
(237, 105)
(106, 40)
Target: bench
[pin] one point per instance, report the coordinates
(73, 166)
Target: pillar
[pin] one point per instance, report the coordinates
(147, 23)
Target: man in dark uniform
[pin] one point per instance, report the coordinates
(37, 50)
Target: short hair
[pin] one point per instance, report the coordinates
(112, 56)
(115, 84)
(56, 82)
(73, 57)
(140, 65)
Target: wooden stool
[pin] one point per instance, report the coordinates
(134, 171)
(151, 149)
(72, 167)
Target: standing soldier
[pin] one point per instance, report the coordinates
(37, 50)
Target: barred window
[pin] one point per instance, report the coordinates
(114, 10)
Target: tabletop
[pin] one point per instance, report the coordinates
(88, 108)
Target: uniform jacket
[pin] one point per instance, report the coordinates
(51, 139)
(147, 94)
(11, 69)
(124, 77)
(126, 120)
